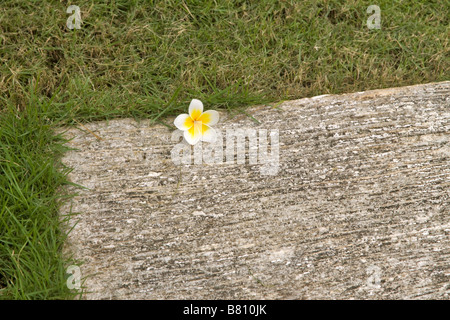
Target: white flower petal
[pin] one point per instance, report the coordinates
(194, 134)
(210, 117)
(195, 109)
(208, 134)
(183, 122)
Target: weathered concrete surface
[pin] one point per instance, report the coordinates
(358, 209)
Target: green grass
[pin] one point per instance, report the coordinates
(136, 58)
(130, 57)
(32, 265)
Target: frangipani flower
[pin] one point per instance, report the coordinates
(197, 124)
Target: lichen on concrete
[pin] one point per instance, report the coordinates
(358, 208)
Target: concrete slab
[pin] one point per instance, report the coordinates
(358, 206)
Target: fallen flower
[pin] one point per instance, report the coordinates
(197, 124)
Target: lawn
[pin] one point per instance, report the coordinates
(148, 59)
